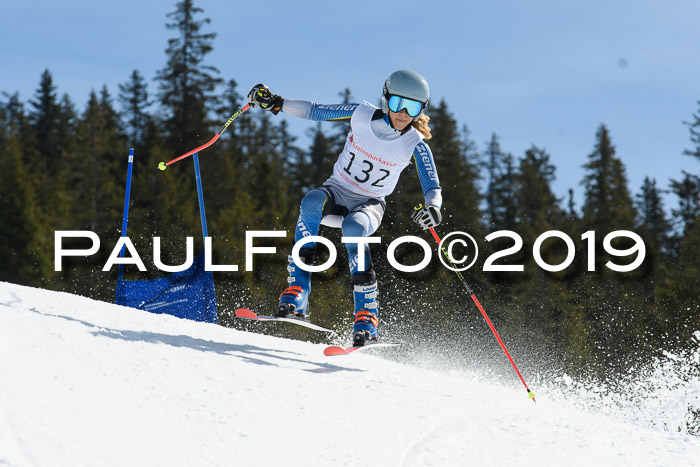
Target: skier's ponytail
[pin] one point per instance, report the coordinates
(422, 126)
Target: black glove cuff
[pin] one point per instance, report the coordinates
(277, 103)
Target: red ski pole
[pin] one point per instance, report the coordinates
(163, 165)
(530, 394)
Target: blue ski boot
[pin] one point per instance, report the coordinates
(366, 313)
(294, 301)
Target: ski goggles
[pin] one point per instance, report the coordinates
(398, 103)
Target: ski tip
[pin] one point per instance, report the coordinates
(246, 313)
(334, 350)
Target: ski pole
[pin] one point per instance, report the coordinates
(163, 165)
(530, 394)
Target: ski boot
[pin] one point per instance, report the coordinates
(366, 311)
(294, 301)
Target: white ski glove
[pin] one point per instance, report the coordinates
(426, 216)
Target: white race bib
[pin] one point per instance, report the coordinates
(370, 166)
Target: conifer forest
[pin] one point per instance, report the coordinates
(64, 168)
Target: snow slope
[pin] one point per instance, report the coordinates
(86, 383)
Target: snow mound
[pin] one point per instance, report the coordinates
(87, 383)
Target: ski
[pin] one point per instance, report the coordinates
(248, 314)
(335, 350)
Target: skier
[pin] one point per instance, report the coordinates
(380, 144)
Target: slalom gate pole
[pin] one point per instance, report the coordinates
(200, 195)
(530, 394)
(205, 232)
(125, 217)
(163, 165)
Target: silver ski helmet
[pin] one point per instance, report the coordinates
(407, 84)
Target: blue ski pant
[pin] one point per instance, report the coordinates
(322, 206)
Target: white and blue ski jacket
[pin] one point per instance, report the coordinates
(384, 133)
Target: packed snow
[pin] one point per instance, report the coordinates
(87, 383)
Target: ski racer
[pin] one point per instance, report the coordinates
(380, 144)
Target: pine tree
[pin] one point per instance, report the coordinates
(688, 192)
(694, 128)
(186, 94)
(66, 123)
(608, 203)
(612, 305)
(133, 97)
(492, 155)
(538, 207)
(93, 161)
(536, 292)
(655, 230)
(681, 288)
(571, 213)
(506, 204)
(92, 176)
(50, 133)
(154, 194)
(652, 218)
(112, 122)
(45, 119)
(23, 260)
(500, 205)
(685, 274)
(269, 183)
(501, 213)
(187, 84)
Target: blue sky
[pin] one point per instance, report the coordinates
(537, 72)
